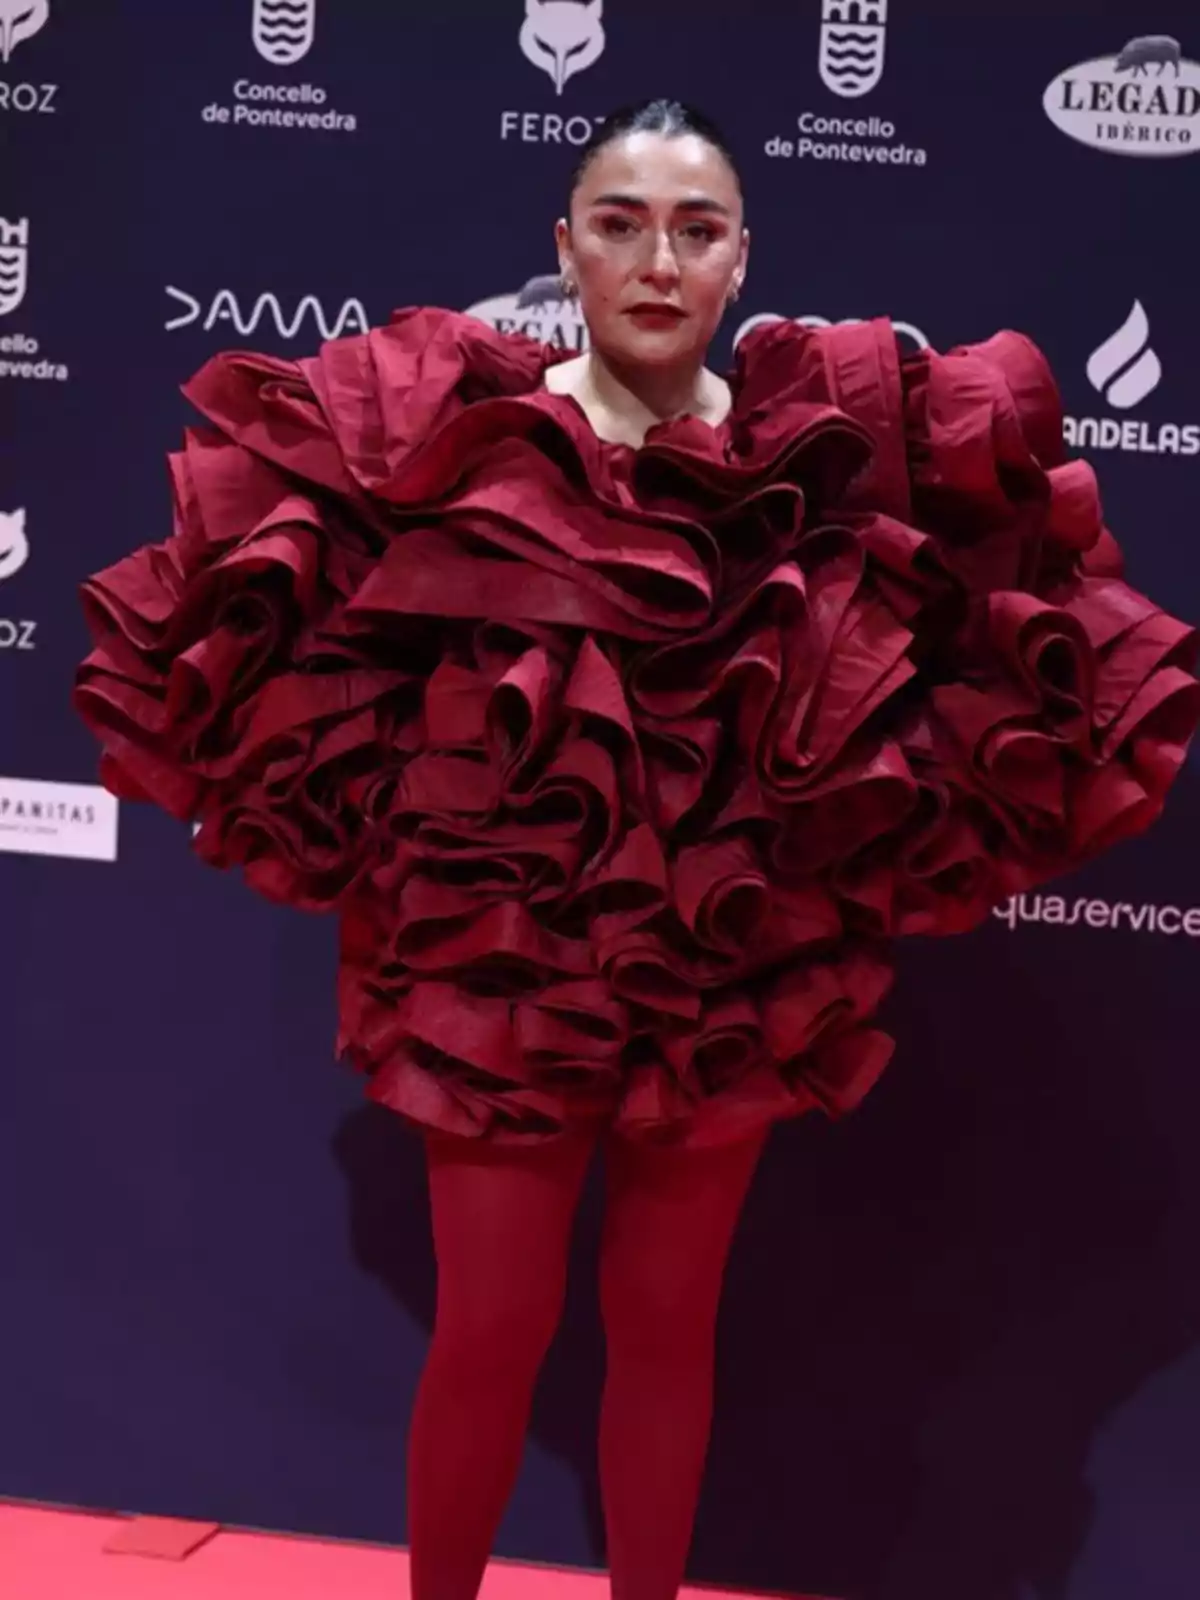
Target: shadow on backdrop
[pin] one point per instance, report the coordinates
(933, 1307)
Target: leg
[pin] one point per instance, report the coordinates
(671, 1217)
(501, 1227)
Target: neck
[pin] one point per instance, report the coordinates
(647, 394)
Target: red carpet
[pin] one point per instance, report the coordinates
(65, 1555)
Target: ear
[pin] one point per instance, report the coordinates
(562, 243)
(739, 276)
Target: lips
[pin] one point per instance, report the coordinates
(657, 313)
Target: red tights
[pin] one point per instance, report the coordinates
(501, 1224)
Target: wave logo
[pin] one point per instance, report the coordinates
(14, 546)
(283, 30)
(1144, 101)
(226, 308)
(540, 311)
(562, 37)
(14, 263)
(20, 19)
(1124, 368)
(853, 39)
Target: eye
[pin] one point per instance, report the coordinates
(701, 230)
(616, 227)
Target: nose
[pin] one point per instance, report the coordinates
(661, 269)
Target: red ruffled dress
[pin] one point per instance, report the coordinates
(623, 767)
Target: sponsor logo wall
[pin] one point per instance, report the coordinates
(183, 177)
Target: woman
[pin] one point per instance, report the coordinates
(625, 712)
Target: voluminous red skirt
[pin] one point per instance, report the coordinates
(624, 767)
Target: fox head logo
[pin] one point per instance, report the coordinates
(20, 19)
(562, 37)
(14, 546)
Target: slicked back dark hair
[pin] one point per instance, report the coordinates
(671, 118)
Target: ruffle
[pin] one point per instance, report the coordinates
(623, 766)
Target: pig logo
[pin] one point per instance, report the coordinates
(545, 291)
(1144, 101)
(539, 310)
(1154, 50)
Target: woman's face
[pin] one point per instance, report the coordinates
(655, 242)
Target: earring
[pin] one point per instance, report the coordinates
(566, 287)
(735, 289)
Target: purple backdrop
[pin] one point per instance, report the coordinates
(959, 1349)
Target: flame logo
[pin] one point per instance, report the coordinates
(1124, 368)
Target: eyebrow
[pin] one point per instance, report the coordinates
(632, 202)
